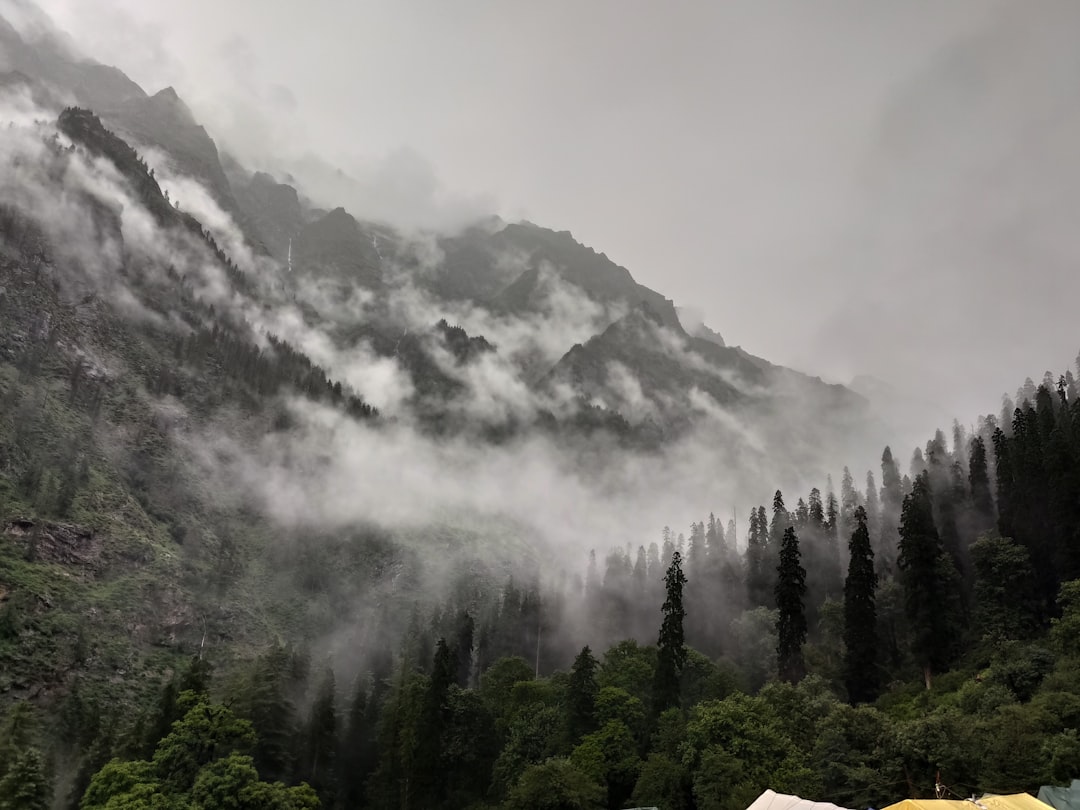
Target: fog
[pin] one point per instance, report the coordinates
(888, 182)
(860, 189)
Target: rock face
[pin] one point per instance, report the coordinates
(164, 121)
(63, 543)
(274, 210)
(336, 247)
(48, 59)
(594, 273)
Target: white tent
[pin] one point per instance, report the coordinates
(771, 800)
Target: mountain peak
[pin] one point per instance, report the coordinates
(169, 101)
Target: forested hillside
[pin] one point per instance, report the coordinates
(940, 645)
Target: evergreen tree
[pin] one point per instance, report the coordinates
(319, 754)
(929, 581)
(757, 577)
(831, 551)
(892, 499)
(860, 616)
(849, 500)
(463, 649)
(1005, 603)
(197, 676)
(791, 618)
(816, 509)
(25, 786)
(873, 510)
(267, 703)
(581, 692)
(979, 481)
(671, 656)
(781, 520)
(353, 765)
(433, 721)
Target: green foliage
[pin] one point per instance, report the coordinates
(664, 782)
(532, 738)
(581, 696)
(199, 764)
(1005, 605)
(631, 667)
(1065, 630)
(555, 785)
(756, 641)
(737, 747)
(609, 757)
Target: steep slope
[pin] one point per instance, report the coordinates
(164, 121)
(334, 246)
(656, 375)
(599, 277)
(273, 209)
(47, 58)
(114, 556)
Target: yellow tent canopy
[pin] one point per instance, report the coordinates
(1017, 801)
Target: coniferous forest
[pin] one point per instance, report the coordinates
(856, 648)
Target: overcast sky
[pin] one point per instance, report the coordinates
(844, 187)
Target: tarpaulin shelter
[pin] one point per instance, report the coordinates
(1016, 801)
(771, 800)
(1061, 798)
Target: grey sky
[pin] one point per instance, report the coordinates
(845, 187)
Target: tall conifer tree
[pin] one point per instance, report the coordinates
(860, 616)
(790, 602)
(672, 653)
(931, 589)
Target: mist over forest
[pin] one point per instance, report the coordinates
(333, 487)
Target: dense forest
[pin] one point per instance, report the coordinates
(859, 648)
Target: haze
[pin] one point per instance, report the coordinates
(847, 187)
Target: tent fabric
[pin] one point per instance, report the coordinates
(771, 800)
(931, 804)
(1017, 801)
(1061, 798)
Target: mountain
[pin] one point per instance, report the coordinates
(334, 246)
(48, 58)
(573, 262)
(249, 421)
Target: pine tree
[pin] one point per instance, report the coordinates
(831, 551)
(25, 785)
(581, 692)
(433, 721)
(929, 581)
(860, 616)
(671, 656)
(849, 500)
(816, 509)
(873, 510)
(781, 520)
(321, 741)
(463, 649)
(790, 602)
(756, 546)
(979, 481)
(892, 499)
(353, 767)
